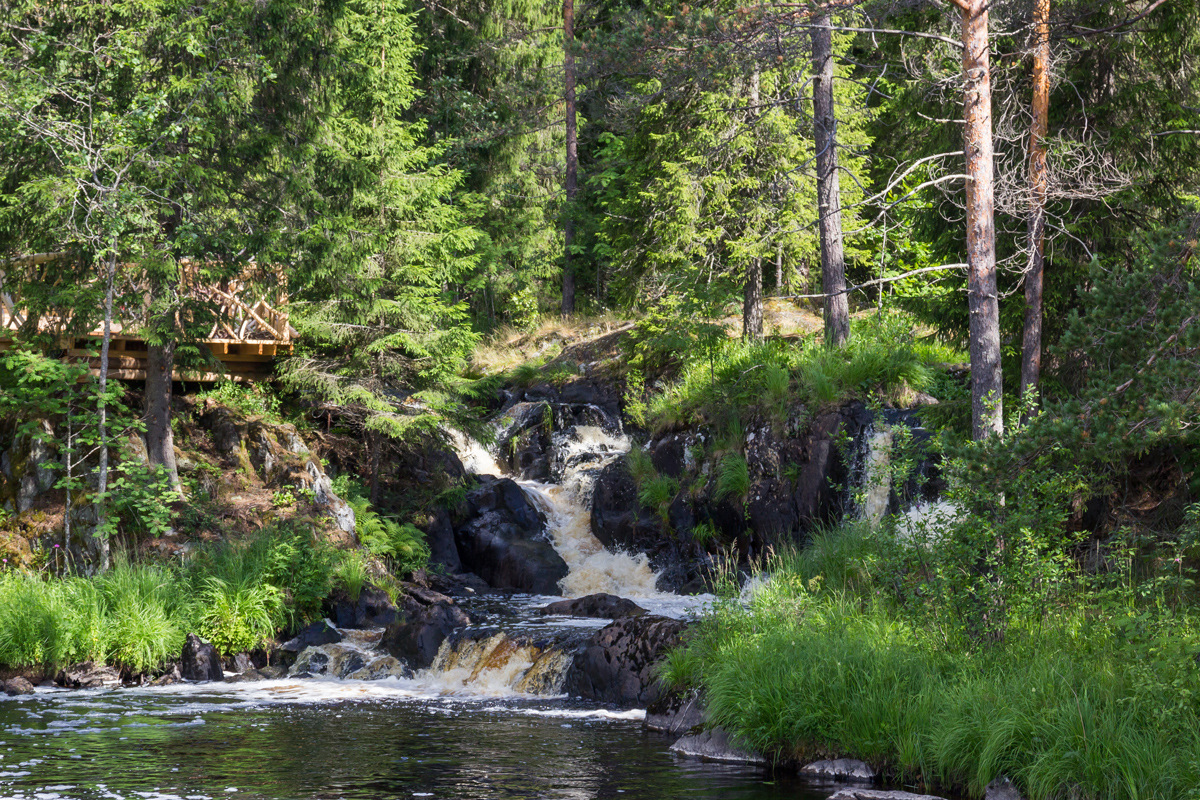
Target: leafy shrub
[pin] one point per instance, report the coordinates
(237, 616)
(252, 399)
(351, 574)
(402, 544)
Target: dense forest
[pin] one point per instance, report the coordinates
(972, 224)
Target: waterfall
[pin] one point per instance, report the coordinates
(580, 453)
(876, 474)
(486, 663)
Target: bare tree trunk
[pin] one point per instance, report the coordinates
(1031, 350)
(778, 270)
(987, 416)
(752, 306)
(568, 285)
(160, 442)
(110, 274)
(833, 263)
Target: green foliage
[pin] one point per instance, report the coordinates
(237, 616)
(825, 660)
(766, 380)
(402, 544)
(256, 399)
(351, 574)
(733, 477)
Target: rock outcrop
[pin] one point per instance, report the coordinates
(88, 675)
(200, 661)
(603, 606)
(500, 536)
(617, 664)
(17, 686)
(425, 619)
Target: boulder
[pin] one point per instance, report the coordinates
(840, 769)
(426, 618)
(674, 713)
(605, 606)
(618, 663)
(323, 495)
(314, 635)
(373, 609)
(200, 660)
(167, 678)
(501, 538)
(16, 686)
(239, 663)
(87, 675)
(439, 533)
(713, 745)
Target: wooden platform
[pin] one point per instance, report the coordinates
(250, 333)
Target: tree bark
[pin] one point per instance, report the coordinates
(568, 284)
(1031, 349)
(160, 442)
(833, 262)
(987, 409)
(779, 270)
(752, 306)
(110, 275)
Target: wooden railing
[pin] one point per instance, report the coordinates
(250, 331)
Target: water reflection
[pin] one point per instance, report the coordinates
(275, 742)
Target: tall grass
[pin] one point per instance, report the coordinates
(821, 662)
(884, 357)
(137, 615)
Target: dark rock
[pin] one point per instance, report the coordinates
(249, 676)
(501, 539)
(669, 455)
(200, 660)
(459, 584)
(87, 675)
(841, 769)
(272, 672)
(823, 468)
(314, 635)
(442, 549)
(617, 664)
(615, 507)
(713, 745)
(170, 677)
(426, 619)
(1002, 789)
(674, 713)
(17, 686)
(771, 510)
(372, 609)
(851, 793)
(606, 606)
(239, 663)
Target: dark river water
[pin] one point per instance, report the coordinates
(345, 739)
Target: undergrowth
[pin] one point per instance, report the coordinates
(136, 615)
(884, 358)
(836, 654)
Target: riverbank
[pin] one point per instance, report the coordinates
(1091, 697)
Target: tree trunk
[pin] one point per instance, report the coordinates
(160, 442)
(752, 306)
(1031, 350)
(987, 416)
(110, 275)
(833, 263)
(779, 270)
(568, 285)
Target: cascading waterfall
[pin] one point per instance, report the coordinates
(581, 452)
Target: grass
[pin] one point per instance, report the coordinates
(884, 358)
(1083, 702)
(136, 615)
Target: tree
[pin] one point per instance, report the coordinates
(983, 300)
(1031, 350)
(833, 262)
(571, 182)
